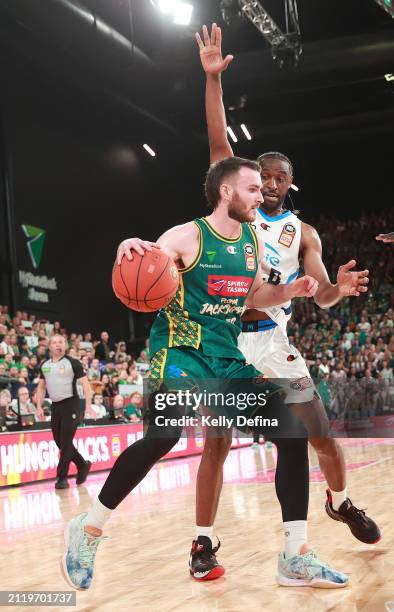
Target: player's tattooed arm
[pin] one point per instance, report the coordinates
(212, 61)
(349, 283)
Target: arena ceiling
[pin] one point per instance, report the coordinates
(348, 48)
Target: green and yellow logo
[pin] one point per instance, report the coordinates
(35, 244)
(211, 255)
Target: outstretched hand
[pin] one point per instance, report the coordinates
(352, 283)
(306, 286)
(211, 50)
(386, 237)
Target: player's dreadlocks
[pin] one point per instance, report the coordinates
(282, 157)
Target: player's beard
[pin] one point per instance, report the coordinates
(238, 210)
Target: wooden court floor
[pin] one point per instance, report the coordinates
(143, 566)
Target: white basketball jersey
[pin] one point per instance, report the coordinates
(281, 236)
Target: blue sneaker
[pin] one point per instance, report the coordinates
(308, 570)
(81, 548)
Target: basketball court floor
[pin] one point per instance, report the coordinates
(143, 566)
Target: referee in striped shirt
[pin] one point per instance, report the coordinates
(59, 375)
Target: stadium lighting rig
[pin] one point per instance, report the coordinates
(387, 5)
(181, 12)
(286, 46)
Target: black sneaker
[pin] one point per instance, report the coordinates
(203, 564)
(62, 483)
(83, 473)
(362, 527)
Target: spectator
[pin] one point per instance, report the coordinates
(108, 389)
(94, 370)
(135, 377)
(120, 351)
(133, 408)
(324, 368)
(123, 377)
(97, 409)
(105, 348)
(143, 357)
(7, 415)
(26, 406)
(387, 372)
(5, 402)
(118, 401)
(5, 345)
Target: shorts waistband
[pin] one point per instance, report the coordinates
(66, 400)
(263, 324)
(255, 326)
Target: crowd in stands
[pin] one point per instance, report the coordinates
(116, 378)
(349, 348)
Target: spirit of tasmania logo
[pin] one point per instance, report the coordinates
(229, 286)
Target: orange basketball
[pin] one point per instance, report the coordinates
(146, 283)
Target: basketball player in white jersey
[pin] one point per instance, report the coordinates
(265, 344)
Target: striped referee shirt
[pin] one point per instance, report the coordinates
(61, 377)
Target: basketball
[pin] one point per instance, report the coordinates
(146, 283)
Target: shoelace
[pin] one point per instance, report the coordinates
(87, 550)
(206, 553)
(357, 513)
(311, 556)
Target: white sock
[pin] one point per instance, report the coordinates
(295, 537)
(97, 516)
(338, 497)
(205, 531)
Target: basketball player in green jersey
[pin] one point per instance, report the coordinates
(195, 337)
(276, 174)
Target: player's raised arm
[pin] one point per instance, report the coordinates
(212, 61)
(349, 283)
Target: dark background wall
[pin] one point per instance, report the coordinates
(77, 169)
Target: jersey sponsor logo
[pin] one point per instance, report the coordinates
(229, 286)
(250, 259)
(232, 250)
(271, 255)
(287, 235)
(176, 372)
(211, 266)
(227, 306)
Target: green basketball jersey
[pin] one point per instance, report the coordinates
(206, 310)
